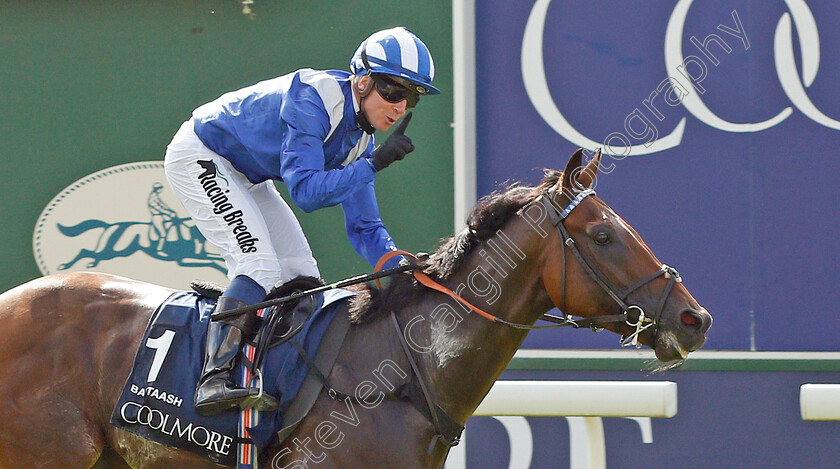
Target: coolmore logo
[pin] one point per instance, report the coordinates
(125, 220)
(138, 414)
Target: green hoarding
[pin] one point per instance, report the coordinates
(94, 84)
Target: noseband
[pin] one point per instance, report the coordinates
(642, 321)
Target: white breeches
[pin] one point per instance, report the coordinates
(252, 226)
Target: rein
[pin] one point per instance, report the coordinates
(557, 216)
(295, 296)
(428, 282)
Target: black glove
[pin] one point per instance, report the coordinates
(395, 147)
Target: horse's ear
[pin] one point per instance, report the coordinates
(575, 178)
(587, 176)
(571, 167)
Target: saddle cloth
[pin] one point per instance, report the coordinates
(157, 400)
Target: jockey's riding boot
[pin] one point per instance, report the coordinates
(215, 392)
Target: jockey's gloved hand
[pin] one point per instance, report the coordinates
(395, 147)
(417, 262)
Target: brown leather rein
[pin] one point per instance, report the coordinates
(556, 216)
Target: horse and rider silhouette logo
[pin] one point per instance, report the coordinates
(166, 236)
(121, 220)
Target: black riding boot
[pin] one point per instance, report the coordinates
(215, 392)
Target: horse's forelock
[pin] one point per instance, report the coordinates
(550, 179)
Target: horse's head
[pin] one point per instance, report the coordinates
(605, 268)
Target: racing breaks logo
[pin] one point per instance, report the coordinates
(222, 205)
(123, 220)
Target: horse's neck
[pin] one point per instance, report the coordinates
(465, 353)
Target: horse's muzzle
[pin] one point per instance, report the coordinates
(697, 321)
(676, 338)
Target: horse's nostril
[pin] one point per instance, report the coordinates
(691, 318)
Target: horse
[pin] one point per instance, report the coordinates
(69, 339)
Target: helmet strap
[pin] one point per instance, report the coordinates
(363, 123)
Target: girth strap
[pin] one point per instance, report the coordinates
(448, 430)
(310, 389)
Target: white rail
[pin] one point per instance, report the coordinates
(581, 398)
(819, 401)
(582, 403)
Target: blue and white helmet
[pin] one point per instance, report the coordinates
(397, 52)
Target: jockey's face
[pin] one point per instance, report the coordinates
(380, 113)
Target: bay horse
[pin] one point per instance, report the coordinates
(69, 339)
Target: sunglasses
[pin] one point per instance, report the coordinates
(394, 92)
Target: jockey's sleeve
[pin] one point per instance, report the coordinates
(302, 167)
(365, 230)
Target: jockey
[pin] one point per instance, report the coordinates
(313, 130)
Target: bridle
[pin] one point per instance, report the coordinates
(557, 215)
(643, 321)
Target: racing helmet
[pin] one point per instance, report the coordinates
(396, 52)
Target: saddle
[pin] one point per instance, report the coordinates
(280, 323)
(156, 399)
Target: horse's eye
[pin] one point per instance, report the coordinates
(602, 238)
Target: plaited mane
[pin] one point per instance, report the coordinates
(488, 216)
